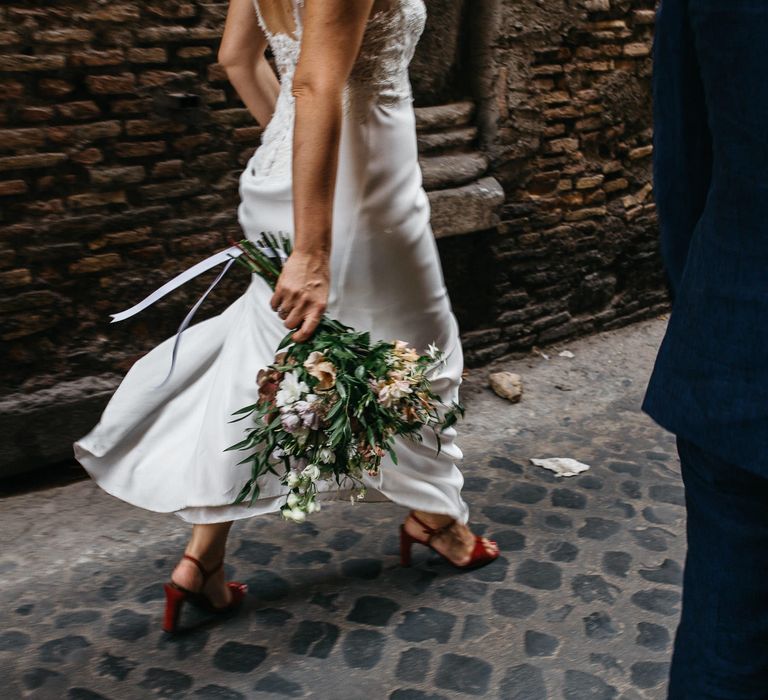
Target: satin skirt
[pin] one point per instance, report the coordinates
(163, 449)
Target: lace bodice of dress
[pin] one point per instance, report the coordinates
(379, 76)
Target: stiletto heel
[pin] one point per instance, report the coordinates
(406, 542)
(176, 595)
(479, 557)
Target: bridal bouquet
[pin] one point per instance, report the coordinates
(331, 408)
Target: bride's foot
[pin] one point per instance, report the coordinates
(449, 538)
(189, 577)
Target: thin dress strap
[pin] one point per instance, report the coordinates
(297, 5)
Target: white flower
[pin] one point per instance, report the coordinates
(278, 453)
(312, 472)
(327, 455)
(293, 500)
(295, 514)
(290, 422)
(291, 389)
(292, 479)
(313, 507)
(433, 351)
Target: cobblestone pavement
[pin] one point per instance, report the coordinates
(582, 606)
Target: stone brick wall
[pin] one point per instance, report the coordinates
(120, 147)
(565, 92)
(121, 143)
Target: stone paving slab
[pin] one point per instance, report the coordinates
(582, 605)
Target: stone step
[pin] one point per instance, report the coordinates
(442, 141)
(466, 209)
(445, 117)
(448, 171)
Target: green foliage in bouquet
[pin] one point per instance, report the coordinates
(331, 407)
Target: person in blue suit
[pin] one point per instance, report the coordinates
(710, 383)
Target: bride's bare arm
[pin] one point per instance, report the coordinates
(242, 54)
(333, 33)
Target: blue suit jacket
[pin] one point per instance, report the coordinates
(710, 382)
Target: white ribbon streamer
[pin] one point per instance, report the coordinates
(229, 255)
(178, 281)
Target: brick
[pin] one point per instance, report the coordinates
(40, 207)
(588, 213)
(554, 69)
(21, 63)
(637, 50)
(169, 190)
(187, 143)
(29, 324)
(162, 34)
(217, 73)
(212, 162)
(92, 58)
(588, 183)
(151, 127)
(139, 149)
(114, 13)
(121, 238)
(84, 109)
(151, 55)
(89, 156)
(84, 133)
(157, 78)
(232, 117)
(35, 160)
(644, 17)
(95, 199)
(598, 5)
(183, 10)
(616, 185)
(9, 187)
(29, 300)
(132, 106)
(96, 263)
(247, 134)
(11, 89)
(53, 87)
(168, 168)
(8, 38)
(212, 97)
(63, 36)
(642, 152)
(13, 139)
(194, 52)
(125, 175)
(35, 114)
(15, 278)
(559, 113)
(553, 130)
(589, 124)
(111, 84)
(563, 145)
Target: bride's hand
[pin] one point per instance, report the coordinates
(301, 293)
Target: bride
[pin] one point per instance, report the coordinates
(337, 170)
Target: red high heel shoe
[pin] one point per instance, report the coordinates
(176, 595)
(480, 555)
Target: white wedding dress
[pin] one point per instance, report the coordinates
(163, 449)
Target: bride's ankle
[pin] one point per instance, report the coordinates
(432, 520)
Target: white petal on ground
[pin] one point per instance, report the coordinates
(567, 353)
(561, 466)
